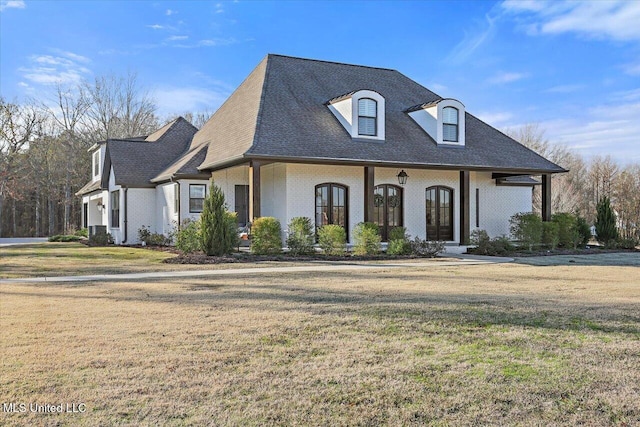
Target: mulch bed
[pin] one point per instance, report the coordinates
(200, 258)
(591, 250)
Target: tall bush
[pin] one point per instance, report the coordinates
(188, 237)
(567, 229)
(218, 229)
(266, 236)
(584, 231)
(526, 228)
(366, 240)
(550, 234)
(300, 237)
(606, 230)
(399, 242)
(332, 239)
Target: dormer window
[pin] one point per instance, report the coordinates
(442, 119)
(367, 116)
(96, 164)
(450, 124)
(361, 113)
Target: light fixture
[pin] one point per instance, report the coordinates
(100, 206)
(402, 177)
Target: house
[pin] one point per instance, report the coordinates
(334, 142)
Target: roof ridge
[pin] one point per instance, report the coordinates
(331, 62)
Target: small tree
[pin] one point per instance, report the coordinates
(218, 234)
(606, 230)
(527, 228)
(332, 239)
(366, 239)
(300, 237)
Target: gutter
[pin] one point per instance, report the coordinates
(179, 190)
(125, 215)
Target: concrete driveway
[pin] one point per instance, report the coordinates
(12, 241)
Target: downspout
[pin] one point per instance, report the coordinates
(177, 183)
(125, 216)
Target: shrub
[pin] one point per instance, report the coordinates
(366, 239)
(426, 248)
(153, 239)
(101, 239)
(550, 234)
(566, 228)
(526, 228)
(188, 237)
(65, 238)
(399, 242)
(300, 237)
(266, 236)
(83, 232)
(630, 243)
(606, 230)
(332, 239)
(583, 232)
(487, 246)
(218, 230)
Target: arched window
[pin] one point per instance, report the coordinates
(439, 213)
(450, 124)
(332, 205)
(387, 208)
(367, 117)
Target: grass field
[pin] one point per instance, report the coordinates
(469, 345)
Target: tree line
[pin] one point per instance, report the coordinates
(44, 158)
(44, 143)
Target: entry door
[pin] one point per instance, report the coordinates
(242, 204)
(387, 208)
(439, 203)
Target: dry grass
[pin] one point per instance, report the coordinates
(66, 259)
(469, 345)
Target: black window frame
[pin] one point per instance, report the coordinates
(330, 220)
(454, 125)
(374, 117)
(192, 199)
(114, 203)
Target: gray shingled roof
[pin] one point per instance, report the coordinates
(89, 187)
(280, 112)
(135, 163)
(186, 165)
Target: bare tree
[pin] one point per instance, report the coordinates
(119, 108)
(18, 126)
(626, 201)
(568, 188)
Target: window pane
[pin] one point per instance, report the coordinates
(366, 126)
(450, 132)
(196, 205)
(197, 191)
(450, 115)
(367, 107)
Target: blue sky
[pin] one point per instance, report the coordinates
(571, 67)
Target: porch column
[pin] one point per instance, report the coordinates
(464, 207)
(546, 197)
(254, 190)
(369, 174)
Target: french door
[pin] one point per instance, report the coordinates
(387, 208)
(439, 213)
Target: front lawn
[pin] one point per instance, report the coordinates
(498, 344)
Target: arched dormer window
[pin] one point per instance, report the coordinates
(361, 113)
(367, 117)
(450, 124)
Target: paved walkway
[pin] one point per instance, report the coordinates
(5, 241)
(318, 267)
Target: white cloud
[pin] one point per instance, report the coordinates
(12, 4)
(217, 42)
(219, 8)
(632, 69)
(496, 118)
(501, 78)
(473, 40)
(437, 87)
(23, 84)
(170, 12)
(616, 19)
(156, 27)
(175, 38)
(50, 69)
(565, 88)
(177, 100)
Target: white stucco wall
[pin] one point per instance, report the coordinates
(497, 203)
(140, 212)
(227, 179)
(166, 216)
